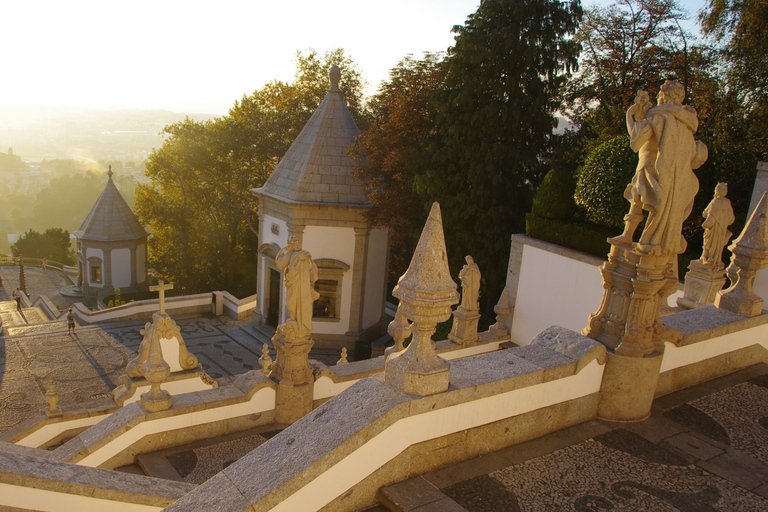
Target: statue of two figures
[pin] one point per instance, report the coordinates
(664, 183)
(639, 277)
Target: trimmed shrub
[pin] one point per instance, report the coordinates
(554, 198)
(602, 180)
(578, 235)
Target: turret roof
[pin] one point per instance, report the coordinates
(111, 219)
(316, 167)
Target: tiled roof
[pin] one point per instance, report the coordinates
(316, 167)
(110, 219)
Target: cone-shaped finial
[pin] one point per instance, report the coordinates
(109, 172)
(427, 282)
(335, 76)
(754, 237)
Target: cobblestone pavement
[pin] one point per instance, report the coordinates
(703, 449)
(87, 366)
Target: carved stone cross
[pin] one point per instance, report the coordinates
(161, 288)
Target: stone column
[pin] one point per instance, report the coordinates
(107, 281)
(426, 292)
(357, 303)
(134, 270)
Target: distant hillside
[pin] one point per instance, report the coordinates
(42, 132)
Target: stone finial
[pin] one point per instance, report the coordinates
(335, 77)
(426, 292)
(52, 397)
(502, 310)
(749, 254)
(399, 329)
(109, 172)
(265, 361)
(343, 359)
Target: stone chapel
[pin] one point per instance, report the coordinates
(313, 196)
(111, 247)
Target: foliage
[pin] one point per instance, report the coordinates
(494, 122)
(739, 26)
(628, 45)
(602, 180)
(198, 205)
(554, 198)
(576, 234)
(389, 153)
(53, 244)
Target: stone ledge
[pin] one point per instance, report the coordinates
(709, 322)
(338, 428)
(34, 472)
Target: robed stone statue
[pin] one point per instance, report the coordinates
(300, 278)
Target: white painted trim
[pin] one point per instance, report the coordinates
(676, 357)
(51, 501)
(262, 400)
(406, 432)
(47, 432)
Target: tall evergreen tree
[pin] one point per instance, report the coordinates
(494, 123)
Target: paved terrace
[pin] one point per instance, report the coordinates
(703, 449)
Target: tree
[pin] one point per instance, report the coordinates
(628, 45)
(52, 244)
(198, 206)
(389, 153)
(739, 26)
(494, 122)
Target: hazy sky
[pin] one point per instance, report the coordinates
(192, 56)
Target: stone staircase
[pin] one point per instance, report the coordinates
(12, 318)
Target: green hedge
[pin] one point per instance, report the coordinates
(578, 235)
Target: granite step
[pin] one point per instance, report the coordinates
(417, 494)
(260, 334)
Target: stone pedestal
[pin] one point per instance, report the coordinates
(293, 402)
(629, 384)
(628, 320)
(418, 370)
(296, 380)
(702, 282)
(464, 330)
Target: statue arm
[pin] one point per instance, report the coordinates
(639, 131)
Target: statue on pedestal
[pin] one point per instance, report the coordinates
(467, 315)
(664, 183)
(300, 278)
(718, 216)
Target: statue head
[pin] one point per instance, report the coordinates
(293, 243)
(721, 190)
(671, 93)
(469, 259)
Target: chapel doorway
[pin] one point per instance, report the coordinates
(273, 299)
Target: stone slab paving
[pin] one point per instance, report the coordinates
(703, 449)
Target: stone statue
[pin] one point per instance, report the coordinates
(717, 217)
(664, 183)
(470, 285)
(300, 293)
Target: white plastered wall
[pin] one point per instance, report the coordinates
(336, 244)
(121, 268)
(556, 290)
(376, 278)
